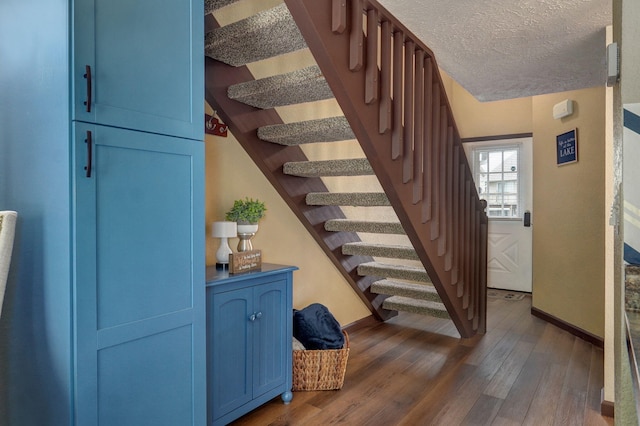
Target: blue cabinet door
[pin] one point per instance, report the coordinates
(230, 375)
(138, 294)
(270, 356)
(140, 65)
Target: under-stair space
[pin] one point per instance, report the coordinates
(298, 133)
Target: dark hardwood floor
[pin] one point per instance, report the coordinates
(415, 370)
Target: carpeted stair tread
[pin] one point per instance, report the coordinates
(348, 167)
(364, 199)
(264, 35)
(411, 290)
(332, 129)
(350, 225)
(423, 307)
(399, 272)
(211, 5)
(379, 250)
(296, 87)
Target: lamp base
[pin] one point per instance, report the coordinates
(245, 241)
(222, 255)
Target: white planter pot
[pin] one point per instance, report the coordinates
(250, 228)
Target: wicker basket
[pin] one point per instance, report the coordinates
(320, 369)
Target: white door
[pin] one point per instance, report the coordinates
(503, 174)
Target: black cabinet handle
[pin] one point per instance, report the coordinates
(87, 75)
(89, 154)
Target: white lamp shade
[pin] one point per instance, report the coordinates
(224, 229)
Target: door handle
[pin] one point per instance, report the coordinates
(87, 76)
(89, 143)
(527, 218)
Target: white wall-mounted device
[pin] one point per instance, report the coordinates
(613, 64)
(563, 109)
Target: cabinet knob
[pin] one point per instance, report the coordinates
(259, 315)
(252, 317)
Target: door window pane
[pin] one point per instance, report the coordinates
(496, 172)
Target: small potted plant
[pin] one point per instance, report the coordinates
(246, 213)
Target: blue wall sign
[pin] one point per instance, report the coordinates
(567, 145)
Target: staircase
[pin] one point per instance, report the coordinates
(428, 252)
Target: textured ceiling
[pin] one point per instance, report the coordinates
(503, 49)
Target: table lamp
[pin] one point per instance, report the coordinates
(224, 231)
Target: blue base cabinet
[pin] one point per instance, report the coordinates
(249, 334)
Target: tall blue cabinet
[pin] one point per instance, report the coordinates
(101, 154)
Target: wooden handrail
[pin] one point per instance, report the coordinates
(387, 83)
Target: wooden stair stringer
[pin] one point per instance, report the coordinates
(243, 122)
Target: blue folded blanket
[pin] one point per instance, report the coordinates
(316, 328)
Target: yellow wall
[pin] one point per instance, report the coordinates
(476, 119)
(569, 224)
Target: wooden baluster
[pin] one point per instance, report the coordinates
(478, 265)
(474, 319)
(428, 140)
(482, 261)
(397, 131)
(473, 311)
(435, 162)
(467, 243)
(460, 231)
(371, 71)
(483, 276)
(356, 37)
(442, 182)
(455, 213)
(409, 92)
(476, 312)
(384, 120)
(418, 139)
(338, 16)
(477, 257)
(435, 158)
(473, 249)
(470, 262)
(448, 258)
